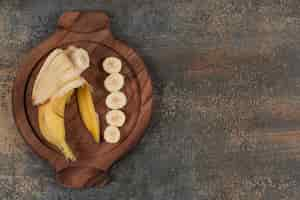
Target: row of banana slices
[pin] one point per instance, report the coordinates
(115, 101)
(58, 79)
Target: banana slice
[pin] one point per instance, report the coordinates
(116, 100)
(112, 134)
(115, 118)
(112, 65)
(114, 82)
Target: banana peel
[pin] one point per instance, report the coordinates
(51, 124)
(87, 111)
(59, 104)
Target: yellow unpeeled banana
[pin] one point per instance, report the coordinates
(51, 123)
(87, 111)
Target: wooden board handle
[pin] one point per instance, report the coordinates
(84, 22)
(78, 177)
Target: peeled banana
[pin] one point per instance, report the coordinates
(56, 72)
(48, 80)
(87, 111)
(51, 124)
(56, 81)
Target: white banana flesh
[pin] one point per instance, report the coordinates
(115, 118)
(112, 134)
(116, 100)
(57, 71)
(79, 57)
(112, 65)
(114, 82)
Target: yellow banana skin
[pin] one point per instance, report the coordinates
(87, 111)
(51, 124)
(59, 104)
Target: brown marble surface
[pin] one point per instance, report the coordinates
(226, 82)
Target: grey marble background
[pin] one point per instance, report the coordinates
(227, 129)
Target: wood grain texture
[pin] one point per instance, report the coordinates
(88, 30)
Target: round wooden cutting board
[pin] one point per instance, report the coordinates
(91, 31)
